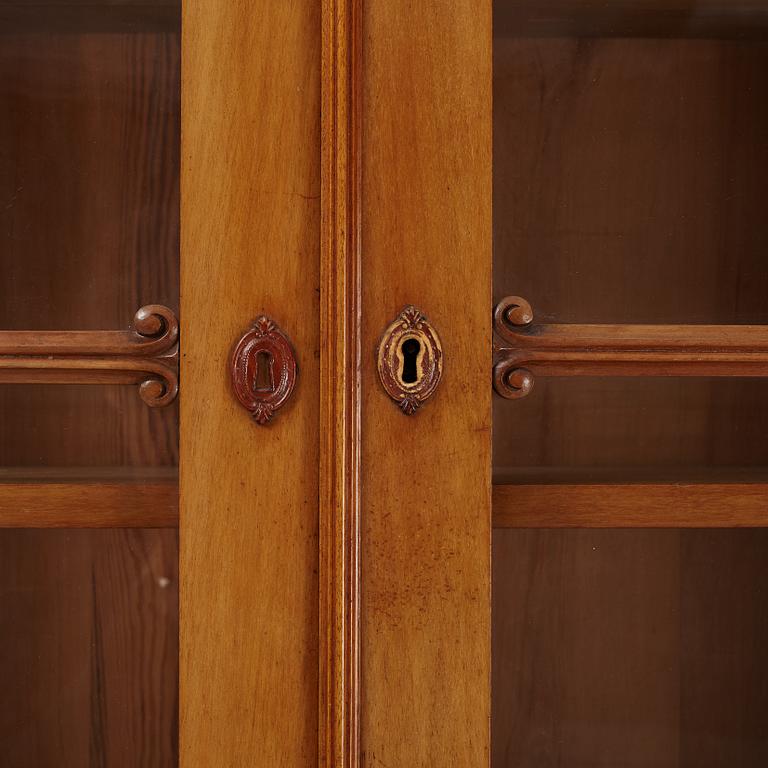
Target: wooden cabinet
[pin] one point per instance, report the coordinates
(383, 383)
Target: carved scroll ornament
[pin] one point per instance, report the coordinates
(528, 350)
(146, 355)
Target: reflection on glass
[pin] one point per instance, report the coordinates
(89, 648)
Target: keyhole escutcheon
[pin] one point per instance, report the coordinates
(410, 359)
(409, 352)
(263, 369)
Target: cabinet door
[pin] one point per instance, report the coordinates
(124, 250)
(570, 197)
(629, 460)
(405, 509)
(89, 418)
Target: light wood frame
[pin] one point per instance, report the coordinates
(340, 386)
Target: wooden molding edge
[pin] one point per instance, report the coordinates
(93, 504)
(635, 505)
(340, 290)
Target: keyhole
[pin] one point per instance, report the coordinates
(410, 350)
(262, 380)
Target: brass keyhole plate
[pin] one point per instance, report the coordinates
(410, 360)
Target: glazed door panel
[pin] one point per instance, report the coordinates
(628, 463)
(114, 465)
(629, 170)
(89, 233)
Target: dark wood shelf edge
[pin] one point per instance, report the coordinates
(90, 18)
(629, 475)
(90, 504)
(636, 505)
(631, 18)
(89, 474)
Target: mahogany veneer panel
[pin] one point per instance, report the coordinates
(89, 648)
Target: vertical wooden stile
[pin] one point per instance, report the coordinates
(249, 493)
(426, 533)
(339, 689)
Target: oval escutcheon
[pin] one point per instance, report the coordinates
(263, 369)
(410, 360)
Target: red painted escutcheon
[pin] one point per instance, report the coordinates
(263, 368)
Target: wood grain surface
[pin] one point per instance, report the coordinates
(426, 483)
(340, 384)
(89, 505)
(525, 350)
(639, 505)
(89, 651)
(249, 494)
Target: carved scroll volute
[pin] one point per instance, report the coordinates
(263, 369)
(410, 360)
(526, 350)
(146, 355)
(157, 334)
(511, 317)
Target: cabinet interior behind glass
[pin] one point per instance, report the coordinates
(630, 179)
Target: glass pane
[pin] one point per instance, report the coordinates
(81, 429)
(630, 648)
(630, 174)
(89, 225)
(89, 233)
(627, 429)
(89, 648)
